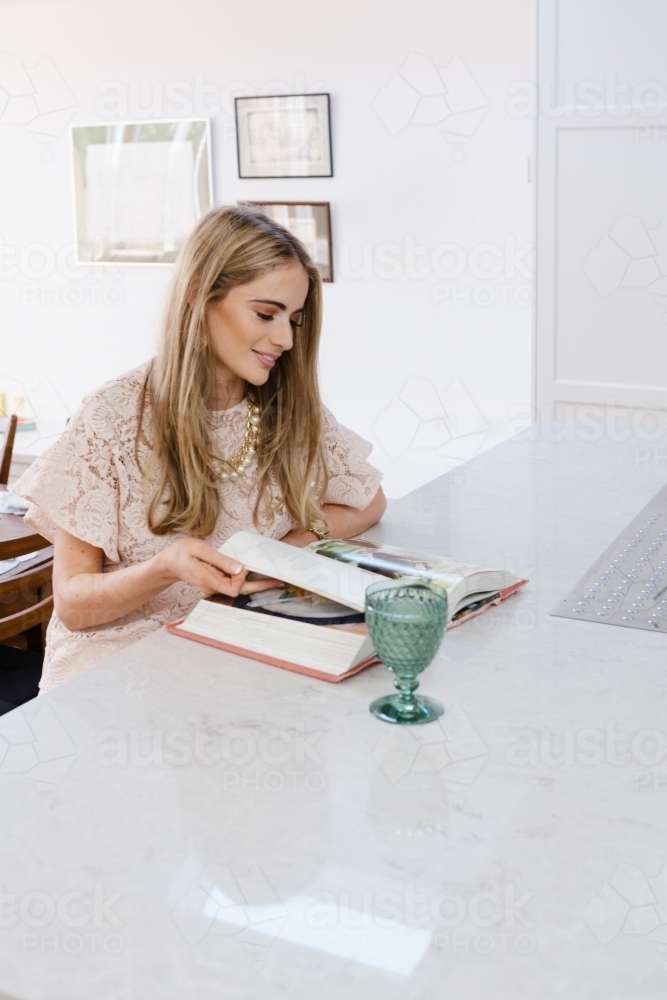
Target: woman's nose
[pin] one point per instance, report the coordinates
(282, 335)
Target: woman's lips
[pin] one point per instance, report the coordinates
(268, 360)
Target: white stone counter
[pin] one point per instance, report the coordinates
(182, 823)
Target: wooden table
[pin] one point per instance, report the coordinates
(16, 537)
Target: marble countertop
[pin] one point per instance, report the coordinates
(182, 823)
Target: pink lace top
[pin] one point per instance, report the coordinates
(89, 483)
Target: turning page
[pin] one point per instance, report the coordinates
(338, 581)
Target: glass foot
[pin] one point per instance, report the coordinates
(392, 708)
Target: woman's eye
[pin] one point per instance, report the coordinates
(265, 316)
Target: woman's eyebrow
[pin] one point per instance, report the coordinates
(271, 302)
(280, 305)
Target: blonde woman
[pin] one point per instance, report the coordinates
(223, 430)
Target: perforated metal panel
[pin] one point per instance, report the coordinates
(628, 584)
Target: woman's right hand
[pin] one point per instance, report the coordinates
(201, 565)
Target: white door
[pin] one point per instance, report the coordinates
(601, 316)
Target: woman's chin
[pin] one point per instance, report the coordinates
(256, 377)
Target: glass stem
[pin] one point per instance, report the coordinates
(406, 689)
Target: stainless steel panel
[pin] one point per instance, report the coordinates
(627, 585)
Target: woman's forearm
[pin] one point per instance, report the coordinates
(85, 596)
(346, 522)
(88, 599)
(342, 521)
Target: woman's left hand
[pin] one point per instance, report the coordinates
(343, 522)
(299, 538)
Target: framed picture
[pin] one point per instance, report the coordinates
(139, 188)
(310, 222)
(284, 136)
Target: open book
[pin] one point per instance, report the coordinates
(334, 572)
(467, 586)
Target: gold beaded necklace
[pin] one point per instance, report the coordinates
(233, 468)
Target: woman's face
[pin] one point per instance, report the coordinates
(252, 326)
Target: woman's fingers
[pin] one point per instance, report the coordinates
(238, 584)
(206, 552)
(253, 586)
(230, 585)
(211, 572)
(212, 580)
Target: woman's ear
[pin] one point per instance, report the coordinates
(193, 290)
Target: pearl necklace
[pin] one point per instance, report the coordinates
(232, 469)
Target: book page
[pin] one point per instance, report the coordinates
(338, 581)
(457, 579)
(328, 650)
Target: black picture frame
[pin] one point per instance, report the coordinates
(267, 126)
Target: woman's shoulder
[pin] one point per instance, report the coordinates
(337, 435)
(119, 394)
(112, 411)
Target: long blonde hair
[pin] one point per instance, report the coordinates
(231, 246)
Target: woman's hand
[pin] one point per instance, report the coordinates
(199, 564)
(85, 596)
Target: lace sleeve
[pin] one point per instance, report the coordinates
(74, 485)
(352, 480)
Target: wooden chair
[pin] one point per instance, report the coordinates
(28, 599)
(21, 544)
(7, 449)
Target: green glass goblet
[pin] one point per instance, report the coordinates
(406, 620)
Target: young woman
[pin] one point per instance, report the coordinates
(223, 430)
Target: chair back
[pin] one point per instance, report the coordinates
(27, 584)
(29, 602)
(7, 449)
(19, 544)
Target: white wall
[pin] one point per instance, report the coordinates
(397, 332)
